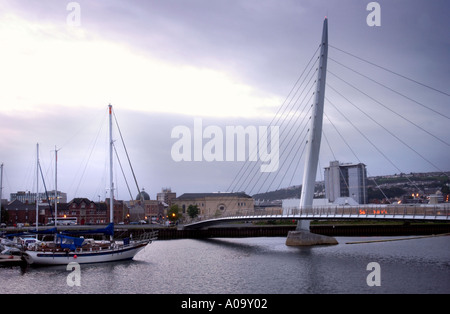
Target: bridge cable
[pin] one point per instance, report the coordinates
(392, 90)
(285, 105)
(290, 101)
(369, 141)
(255, 173)
(291, 113)
(386, 107)
(390, 71)
(350, 148)
(289, 154)
(384, 128)
(239, 176)
(334, 158)
(290, 138)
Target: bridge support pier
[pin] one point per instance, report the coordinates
(306, 238)
(303, 237)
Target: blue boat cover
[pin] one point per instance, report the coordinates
(70, 243)
(108, 230)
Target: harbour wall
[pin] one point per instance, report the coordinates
(282, 231)
(249, 230)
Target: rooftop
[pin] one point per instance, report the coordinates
(189, 196)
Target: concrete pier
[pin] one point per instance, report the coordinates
(306, 238)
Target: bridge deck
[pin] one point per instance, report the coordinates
(438, 212)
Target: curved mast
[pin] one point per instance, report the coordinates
(315, 131)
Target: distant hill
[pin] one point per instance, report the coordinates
(291, 192)
(392, 186)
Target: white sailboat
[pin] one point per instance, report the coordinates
(65, 249)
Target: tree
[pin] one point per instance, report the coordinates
(193, 211)
(173, 213)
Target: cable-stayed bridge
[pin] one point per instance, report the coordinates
(300, 118)
(420, 212)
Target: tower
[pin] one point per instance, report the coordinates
(302, 236)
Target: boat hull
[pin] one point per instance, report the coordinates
(83, 257)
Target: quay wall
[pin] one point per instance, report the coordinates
(168, 233)
(282, 231)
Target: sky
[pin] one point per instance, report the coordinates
(166, 65)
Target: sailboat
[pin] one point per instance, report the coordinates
(67, 248)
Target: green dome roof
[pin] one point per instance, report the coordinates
(144, 195)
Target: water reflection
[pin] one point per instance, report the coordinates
(251, 265)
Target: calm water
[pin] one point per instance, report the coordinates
(253, 265)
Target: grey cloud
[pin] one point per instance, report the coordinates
(265, 44)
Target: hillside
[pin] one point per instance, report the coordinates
(291, 192)
(392, 186)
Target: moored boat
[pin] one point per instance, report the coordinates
(66, 249)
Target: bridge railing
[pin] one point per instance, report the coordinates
(395, 211)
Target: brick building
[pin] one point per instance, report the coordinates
(20, 212)
(143, 208)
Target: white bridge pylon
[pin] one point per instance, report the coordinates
(438, 212)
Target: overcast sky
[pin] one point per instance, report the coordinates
(163, 64)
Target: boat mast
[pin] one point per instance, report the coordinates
(37, 188)
(56, 186)
(1, 190)
(111, 190)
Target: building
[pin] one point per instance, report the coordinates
(346, 180)
(143, 208)
(80, 210)
(216, 204)
(62, 197)
(85, 210)
(166, 196)
(20, 212)
(28, 197)
(120, 211)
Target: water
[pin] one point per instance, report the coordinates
(253, 266)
